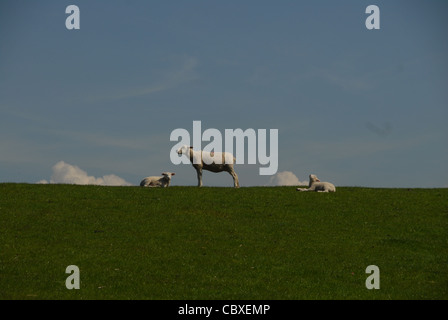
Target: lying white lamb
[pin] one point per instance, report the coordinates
(316, 185)
(159, 181)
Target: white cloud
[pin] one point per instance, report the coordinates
(67, 173)
(285, 178)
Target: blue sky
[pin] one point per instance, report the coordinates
(357, 107)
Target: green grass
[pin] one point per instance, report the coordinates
(222, 243)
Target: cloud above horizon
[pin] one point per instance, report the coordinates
(285, 178)
(70, 174)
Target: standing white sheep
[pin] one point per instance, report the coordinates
(316, 185)
(206, 160)
(159, 181)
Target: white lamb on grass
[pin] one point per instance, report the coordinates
(318, 186)
(158, 181)
(211, 161)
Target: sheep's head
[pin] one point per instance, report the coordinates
(184, 149)
(168, 174)
(314, 178)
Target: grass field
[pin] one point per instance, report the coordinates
(222, 243)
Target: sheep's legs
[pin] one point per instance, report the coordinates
(236, 182)
(199, 172)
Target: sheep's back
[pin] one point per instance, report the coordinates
(324, 186)
(219, 158)
(146, 181)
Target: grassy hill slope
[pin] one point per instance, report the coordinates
(222, 243)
